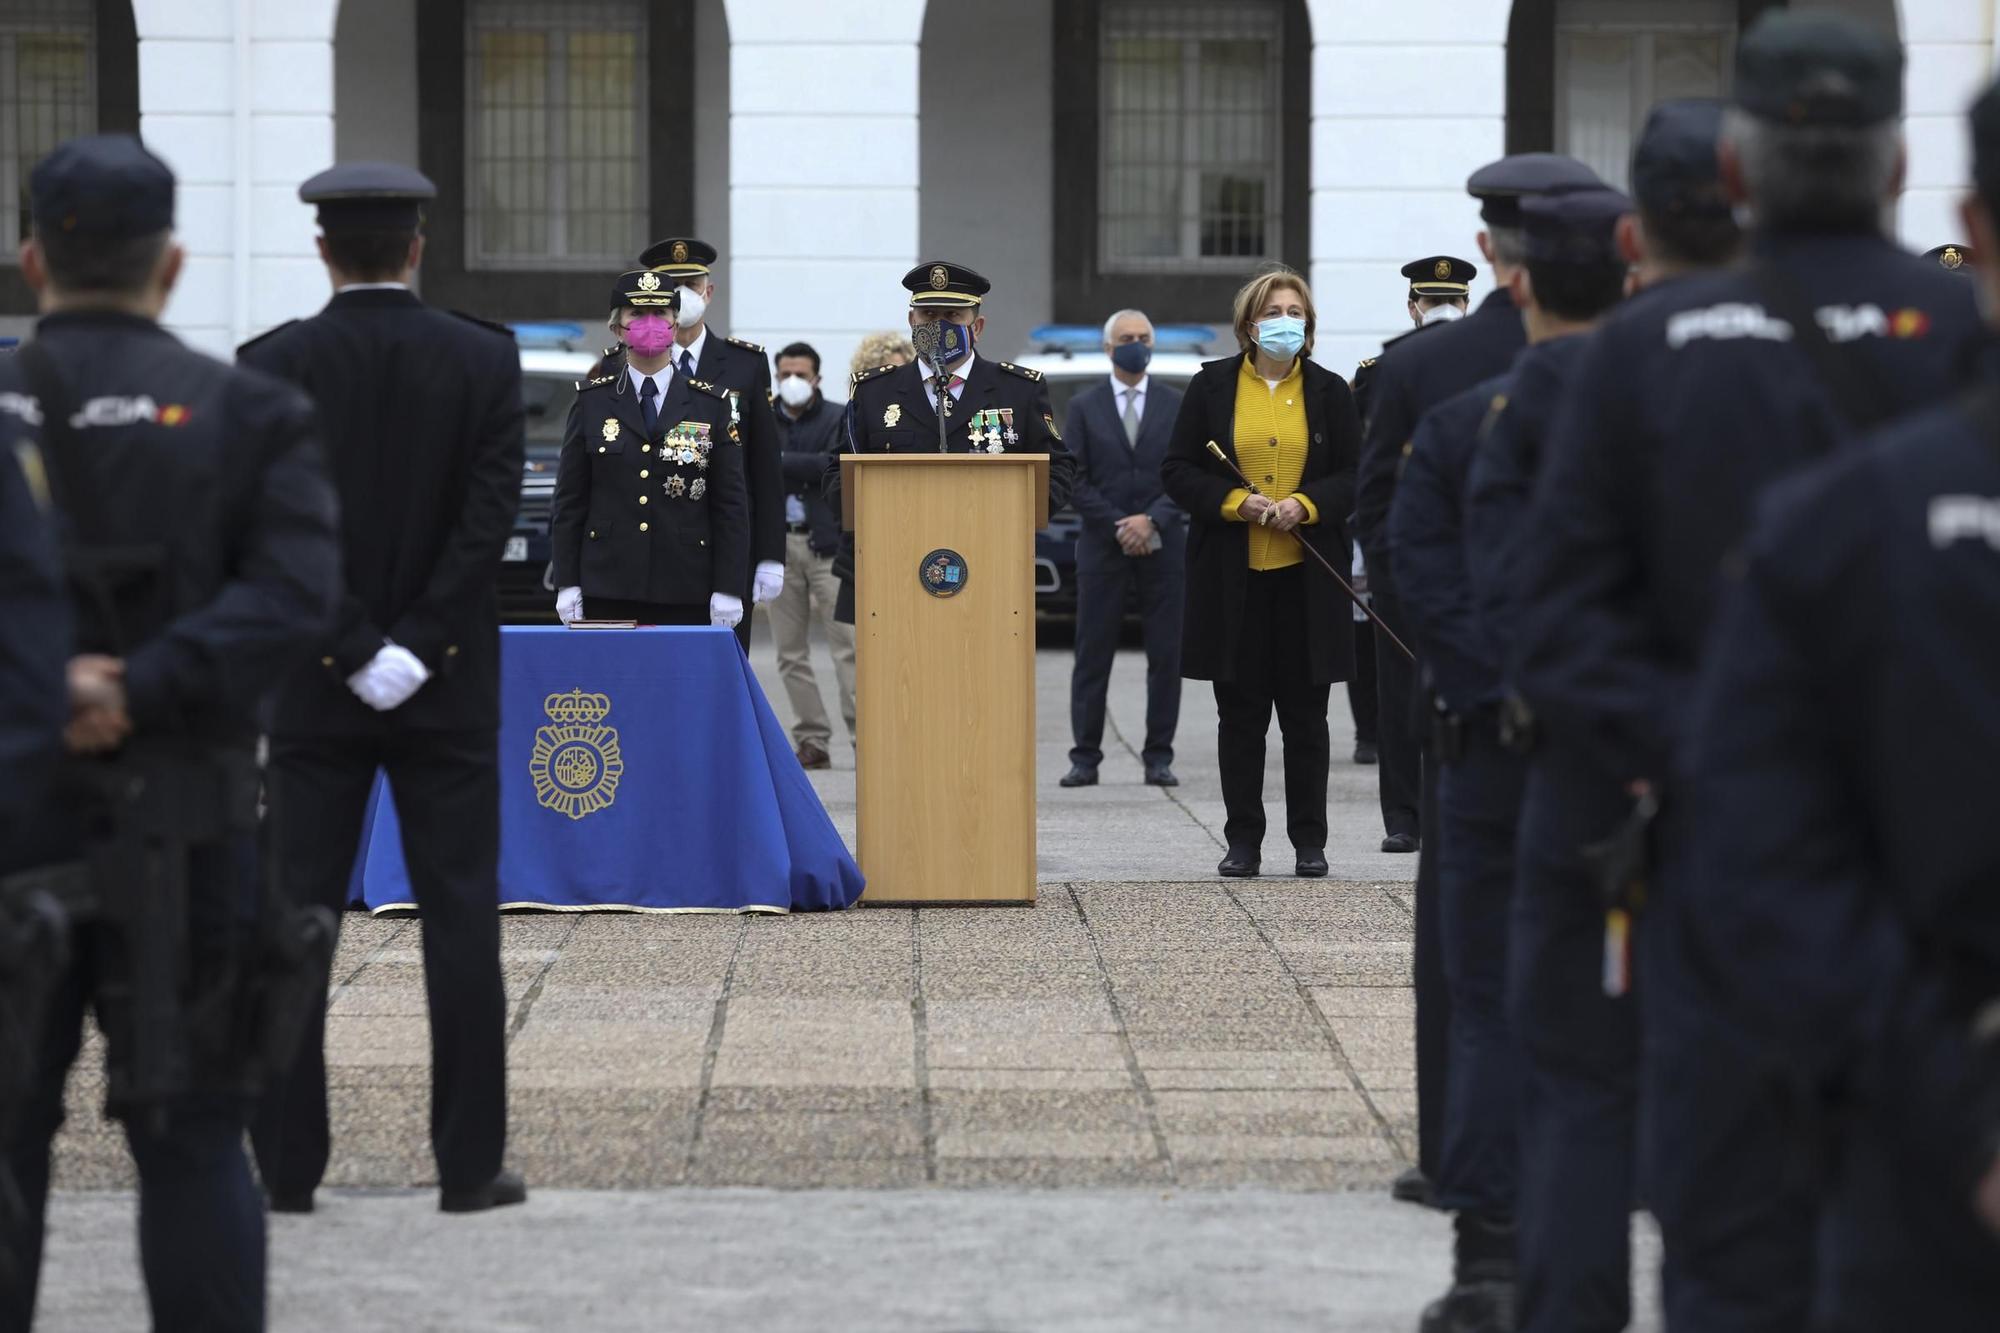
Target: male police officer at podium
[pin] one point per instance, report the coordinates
(988, 407)
(199, 537)
(422, 422)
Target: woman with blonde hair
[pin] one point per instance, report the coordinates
(1264, 629)
(887, 348)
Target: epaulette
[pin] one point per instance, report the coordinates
(860, 375)
(500, 329)
(612, 350)
(266, 334)
(581, 385)
(707, 388)
(1367, 362)
(745, 345)
(1022, 371)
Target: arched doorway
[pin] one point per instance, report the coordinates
(1581, 74)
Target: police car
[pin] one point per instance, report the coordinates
(1071, 358)
(554, 356)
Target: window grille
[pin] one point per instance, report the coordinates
(556, 133)
(48, 93)
(1616, 58)
(1189, 135)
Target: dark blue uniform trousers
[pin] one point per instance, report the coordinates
(1578, 1110)
(1728, 1160)
(1100, 614)
(201, 1218)
(1479, 804)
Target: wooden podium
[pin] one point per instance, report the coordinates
(944, 645)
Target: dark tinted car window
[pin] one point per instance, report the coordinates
(547, 398)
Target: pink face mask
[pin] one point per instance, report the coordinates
(649, 335)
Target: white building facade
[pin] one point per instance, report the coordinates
(1083, 154)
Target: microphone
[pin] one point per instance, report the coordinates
(926, 338)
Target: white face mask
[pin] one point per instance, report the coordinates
(1439, 314)
(795, 391)
(693, 307)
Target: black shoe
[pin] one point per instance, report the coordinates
(504, 1189)
(1471, 1307)
(1366, 753)
(1161, 775)
(292, 1203)
(1079, 776)
(1312, 863)
(1400, 842)
(1240, 863)
(1413, 1186)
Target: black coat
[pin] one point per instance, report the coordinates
(808, 443)
(421, 418)
(620, 526)
(1218, 556)
(1115, 479)
(742, 369)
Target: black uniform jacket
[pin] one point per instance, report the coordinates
(742, 368)
(1218, 553)
(421, 414)
(809, 441)
(888, 412)
(217, 473)
(659, 518)
(35, 631)
(1415, 374)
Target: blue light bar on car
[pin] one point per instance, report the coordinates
(557, 336)
(1073, 338)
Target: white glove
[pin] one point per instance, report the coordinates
(769, 582)
(569, 605)
(724, 610)
(389, 679)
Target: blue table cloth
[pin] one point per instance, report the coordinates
(640, 770)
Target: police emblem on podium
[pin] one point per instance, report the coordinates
(576, 762)
(943, 572)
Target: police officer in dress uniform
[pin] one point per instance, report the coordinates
(650, 519)
(989, 407)
(1573, 274)
(199, 538)
(1409, 379)
(743, 369)
(1577, 1047)
(1842, 749)
(1685, 408)
(422, 421)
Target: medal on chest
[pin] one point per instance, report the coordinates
(991, 430)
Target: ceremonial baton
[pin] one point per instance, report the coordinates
(1324, 563)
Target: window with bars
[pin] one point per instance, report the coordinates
(1189, 153)
(555, 133)
(48, 93)
(1616, 58)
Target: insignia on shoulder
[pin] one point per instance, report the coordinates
(1369, 362)
(860, 375)
(708, 388)
(581, 385)
(1050, 422)
(746, 345)
(1023, 371)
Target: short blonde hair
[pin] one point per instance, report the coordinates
(1257, 293)
(879, 349)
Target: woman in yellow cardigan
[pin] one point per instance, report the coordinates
(1266, 630)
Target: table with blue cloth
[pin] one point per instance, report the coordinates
(640, 770)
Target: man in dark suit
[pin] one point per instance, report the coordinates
(743, 370)
(422, 420)
(812, 430)
(988, 406)
(1134, 540)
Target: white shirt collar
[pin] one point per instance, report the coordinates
(964, 370)
(1119, 386)
(664, 377)
(372, 287)
(693, 349)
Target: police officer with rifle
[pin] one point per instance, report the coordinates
(197, 531)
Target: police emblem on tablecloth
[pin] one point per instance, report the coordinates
(576, 762)
(649, 282)
(943, 573)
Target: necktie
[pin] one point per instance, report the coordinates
(687, 363)
(1132, 418)
(951, 393)
(649, 403)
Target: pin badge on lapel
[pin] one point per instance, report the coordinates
(610, 429)
(892, 414)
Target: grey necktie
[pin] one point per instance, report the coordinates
(1132, 418)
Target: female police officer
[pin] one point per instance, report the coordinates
(651, 520)
(1258, 625)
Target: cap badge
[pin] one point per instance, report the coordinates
(939, 278)
(892, 414)
(649, 282)
(1951, 258)
(680, 252)
(1442, 268)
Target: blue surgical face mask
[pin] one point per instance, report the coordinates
(1282, 336)
(1131, 357)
